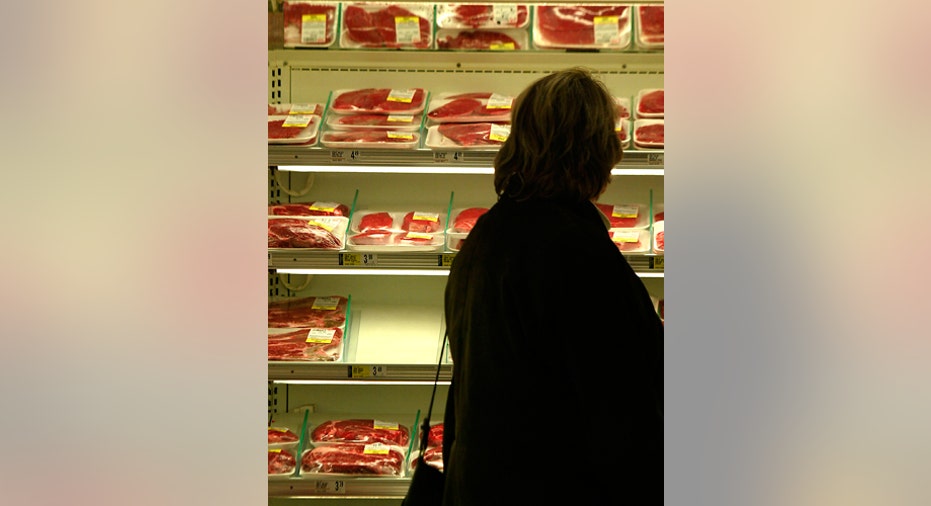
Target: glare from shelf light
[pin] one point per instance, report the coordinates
(369, 272)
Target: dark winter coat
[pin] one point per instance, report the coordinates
(556, 396)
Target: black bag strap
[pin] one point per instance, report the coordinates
(425, 428)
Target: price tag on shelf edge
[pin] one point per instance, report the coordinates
(448, 156)
(446, 259)
(330, 487)
(655, 159)
(659, 262)
(358, 259)
(367, 371)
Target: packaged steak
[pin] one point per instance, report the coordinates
(470, 107)
(329, 311)
(455, 240)
(371, 139)
(649, 26)
(419, 220)
(381, 240)
(279, 436)
(314, 232)
(649, 133)
(378, 101)
(375, 121)
(312, 108)
(281, 462)
(361, 431)
(650, 103)
(623, 107)
(625, 215)
(482, 15)
(659, 237)
(314, 344)
(482, 40)
(464, 218)
(623, 132)
(386, 25)
(354, 459)
(630, 240)
(309, 23)
(314, 208)
(293, 129)
(571, 26)
(467, 136)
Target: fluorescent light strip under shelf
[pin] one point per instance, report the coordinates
(358, 382)
(392, 169)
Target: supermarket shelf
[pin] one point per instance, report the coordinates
(305, 261)
(341, 486)
(336, 373)
(425, 161)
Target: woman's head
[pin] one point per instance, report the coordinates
(563, 143)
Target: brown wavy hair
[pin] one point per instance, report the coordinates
(563, 142)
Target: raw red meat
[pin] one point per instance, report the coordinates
(650, 134)
(276, 435)
(365, 120)
(373, 238)
(435, 435)
(277, 130)
(660, 216)
(433, 456)
(294, 346)
(425, 222)
(478, 94)
(468, 134)
(378, 28)
(476, 15)
(478, 39)
(376, 100)
(574, 25)
(370, 136)
(652, 27)
(280, 461)
(652, 102)
(324, 312)
(300, 233)
(351, 459)
(466, 218)
(661, 240)
(376, 221)
(309, 209)
(465, 108)
(361, 430)
(293, 13)
(616, 221)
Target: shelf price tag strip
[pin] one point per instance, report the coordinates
(330, 487)
(659, 262)
(446, 259)
(342, 155)
(367, 371)
(363, 259)
(655, 158)
(448, 156)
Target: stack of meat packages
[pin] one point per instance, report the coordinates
(585, 27)
(405, 230)
(482, 27)
(381, 118)
(375, 25)
(629, 226)
(309, 23)
(649, 122)
(282, 447)
(294, 123)
(357, 446)
(310, 225)
(468, 120)
(659, 230)
(433, 455)
(307, 329)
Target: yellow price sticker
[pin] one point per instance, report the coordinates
(659, 262)
(446, 259)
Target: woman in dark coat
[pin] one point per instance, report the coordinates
(556, 396)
